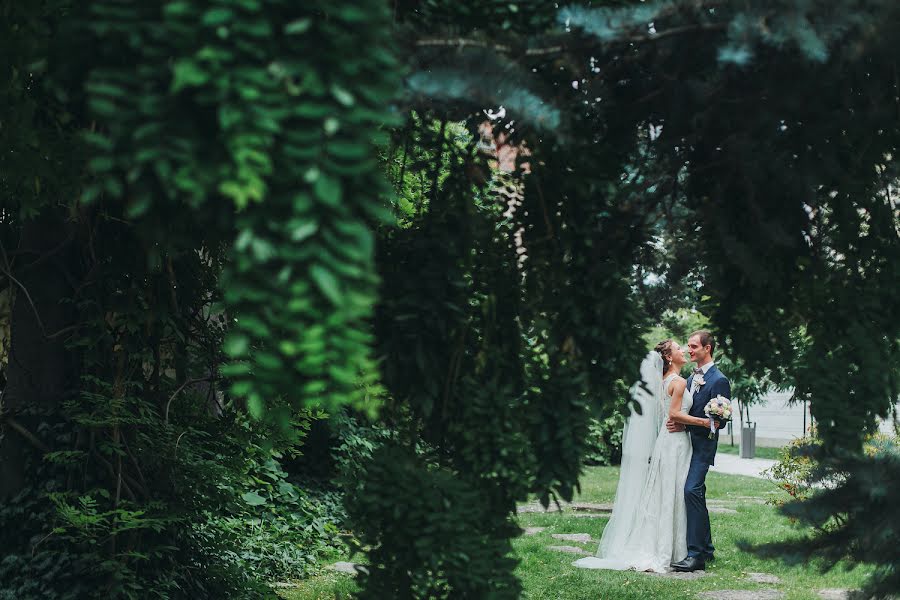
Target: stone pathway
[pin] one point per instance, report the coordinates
(535, 507)
(583, 538)
(585, 510)
(763, 578)
(568, 549)
(592, 507)
(741, 595)
(735, 465)
(721, 510)
(681, 576)
(344, 567)
(590, 510)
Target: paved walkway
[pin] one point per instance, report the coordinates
(734, 465)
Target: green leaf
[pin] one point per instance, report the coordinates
(328, 190)
(268, 360)
(300, 230)
(256, 406)
(302, 203)
(101, 164)
(312, 175)
(237, 345)
(326, 282)
(138, 206)
(187, 73)
(255, 325)
(286, 488)
(353, 14)
(331, 125)
(253, 499)
(308, 110)
(263, 250)
(347, 150)
(235, 369)
(217, 16)
(342, 95)
(297, 27)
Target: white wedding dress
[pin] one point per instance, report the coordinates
(648, 527)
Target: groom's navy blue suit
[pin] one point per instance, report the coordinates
(699, 538)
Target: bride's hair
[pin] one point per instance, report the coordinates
(665, 350)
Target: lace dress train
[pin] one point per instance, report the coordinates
(655, 533)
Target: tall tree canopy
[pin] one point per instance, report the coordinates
(197, 204)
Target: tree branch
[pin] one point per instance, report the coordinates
(32, 439)
(181, 387)
(461, 43)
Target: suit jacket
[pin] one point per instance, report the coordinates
(716, 385)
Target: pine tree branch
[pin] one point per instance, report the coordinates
(581, 44)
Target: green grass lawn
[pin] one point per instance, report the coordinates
(547, 574)
(726, 448)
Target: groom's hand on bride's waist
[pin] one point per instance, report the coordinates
(674, 427)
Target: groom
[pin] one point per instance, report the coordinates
(705, 384)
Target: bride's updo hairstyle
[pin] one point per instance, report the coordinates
(665, 350)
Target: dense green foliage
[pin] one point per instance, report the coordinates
(187, 199)
(195, 224)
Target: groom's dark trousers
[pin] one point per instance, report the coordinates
(699, 536)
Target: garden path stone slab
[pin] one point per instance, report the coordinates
(568, 549)
(741, 595)
(536, 507)
(721, 510)
(683, 576)
(763, 578)
(344, 567)
(533, 530)
(591, 515)
(572, 537)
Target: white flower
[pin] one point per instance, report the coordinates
(698, 379)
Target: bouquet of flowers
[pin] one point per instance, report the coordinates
(717, 409)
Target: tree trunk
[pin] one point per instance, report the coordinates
(41, 370)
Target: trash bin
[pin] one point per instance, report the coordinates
(748, 440)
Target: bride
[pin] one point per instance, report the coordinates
(648, 527)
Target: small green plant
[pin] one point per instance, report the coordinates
(795, 470)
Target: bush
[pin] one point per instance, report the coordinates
(605, 440)
(798, 472)
(851, 504)
(795, 470)
(605, 429)
(223, 520)
(429, 532)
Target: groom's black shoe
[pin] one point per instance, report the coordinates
(690, 564)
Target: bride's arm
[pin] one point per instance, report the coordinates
(675, 412)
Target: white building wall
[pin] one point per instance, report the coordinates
(777, 422)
